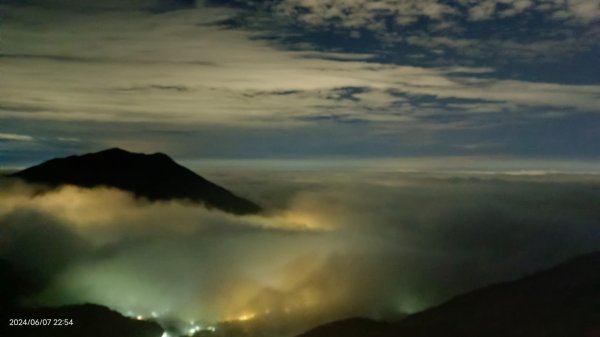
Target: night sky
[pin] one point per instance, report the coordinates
(296, 79)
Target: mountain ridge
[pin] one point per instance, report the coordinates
(77, 320)
(561, 301)
(156, 177)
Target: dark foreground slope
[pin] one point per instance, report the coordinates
(85, 320)
(563, 301)
(352, 327)
(154, 176)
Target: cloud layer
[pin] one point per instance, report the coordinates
(373, 70)
(334, 245)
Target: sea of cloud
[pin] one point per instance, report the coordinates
(330, 245)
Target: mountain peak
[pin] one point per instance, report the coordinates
(119, 153)
(114, 150)
(152, 176)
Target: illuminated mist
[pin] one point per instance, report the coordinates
(332, 246)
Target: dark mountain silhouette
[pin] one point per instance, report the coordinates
(154, 176)
(89, 320)
(563, 301)
(13, 285)
(352, 327)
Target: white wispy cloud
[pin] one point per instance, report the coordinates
(13, 136)
(507, 51)
(181, 68)
(184, 70)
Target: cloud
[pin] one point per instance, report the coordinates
(360, 14)
(222, 90)
(385, 25)
(367, 14)
(213, 74)
(137, 74)
(584, 10)
(17, 137)
(113, 5)
(507, 50)
(334, 244)
(488, 9)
